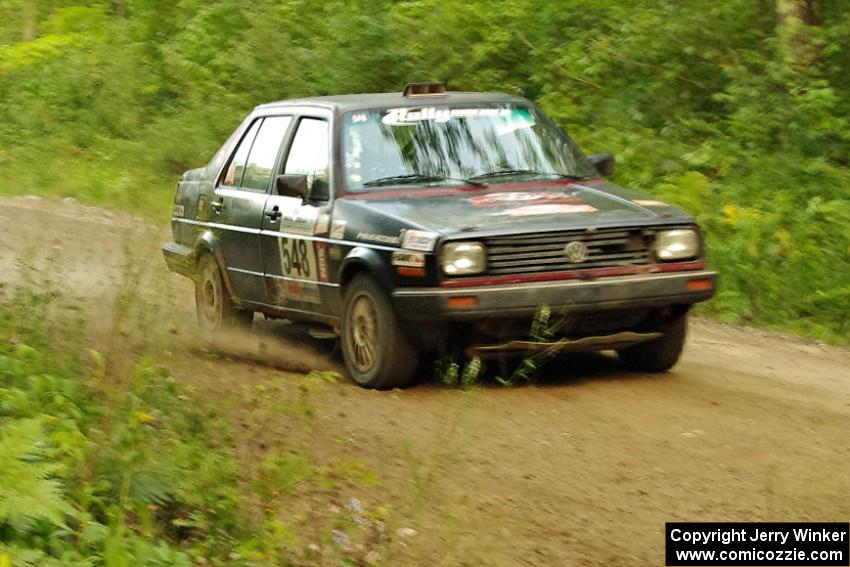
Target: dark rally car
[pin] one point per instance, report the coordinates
(431, 220)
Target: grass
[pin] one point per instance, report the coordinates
(102, 467)
(110, 460)
(91, 180)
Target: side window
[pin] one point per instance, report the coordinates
(233, 174)
(261, 160)
(226, 148)
(309, 156)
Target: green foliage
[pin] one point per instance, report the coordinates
(29, 490)
(90, 477)
(705, 104)
(451, 373)
(282, 473)
(448, 371)
(544, 330)
(466, 373)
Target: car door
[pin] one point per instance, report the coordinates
(294, 261)
(236, 208)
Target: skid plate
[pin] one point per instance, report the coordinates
(586, 344)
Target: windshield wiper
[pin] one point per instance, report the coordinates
(417, 178)
(510, 172)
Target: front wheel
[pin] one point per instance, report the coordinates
(661, 354)
(376, 352)
(216, 311)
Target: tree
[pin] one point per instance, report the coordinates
(794, 19)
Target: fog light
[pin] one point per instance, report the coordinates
(463, 302)
(699, 285)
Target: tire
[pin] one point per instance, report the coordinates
(377, 355)
(661, 354)
(216, 310)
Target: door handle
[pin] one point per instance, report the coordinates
(274, 214)
(217, 206)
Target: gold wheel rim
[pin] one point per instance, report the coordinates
(211, 298)
(363, 333)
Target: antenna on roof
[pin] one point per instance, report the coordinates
(425, 89)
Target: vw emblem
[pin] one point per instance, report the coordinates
(576, 252)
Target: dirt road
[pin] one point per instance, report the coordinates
(583, 468)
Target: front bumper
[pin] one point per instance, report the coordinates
(575, 296)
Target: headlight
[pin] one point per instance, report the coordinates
(677, 244)
(464, 258)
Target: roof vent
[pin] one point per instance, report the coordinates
(425, 89)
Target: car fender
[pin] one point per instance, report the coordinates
(362, 258)
(207, 243)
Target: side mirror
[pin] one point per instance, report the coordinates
(604, 163)
(292, 185)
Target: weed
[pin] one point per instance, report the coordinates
(94, 475)
(124, 467)
(544, 329)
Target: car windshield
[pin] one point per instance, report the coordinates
(452, 145)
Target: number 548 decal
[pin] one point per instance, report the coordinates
(298, 259)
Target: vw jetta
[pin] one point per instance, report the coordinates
(418, 222)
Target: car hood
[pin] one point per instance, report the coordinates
(508, 208)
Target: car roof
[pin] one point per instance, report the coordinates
(365, 101)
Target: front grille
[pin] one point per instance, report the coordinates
(544, 252)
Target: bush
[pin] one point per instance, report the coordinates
(94, 475)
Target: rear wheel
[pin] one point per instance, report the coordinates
(216, 311)
(376, 352)
(661, 354)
